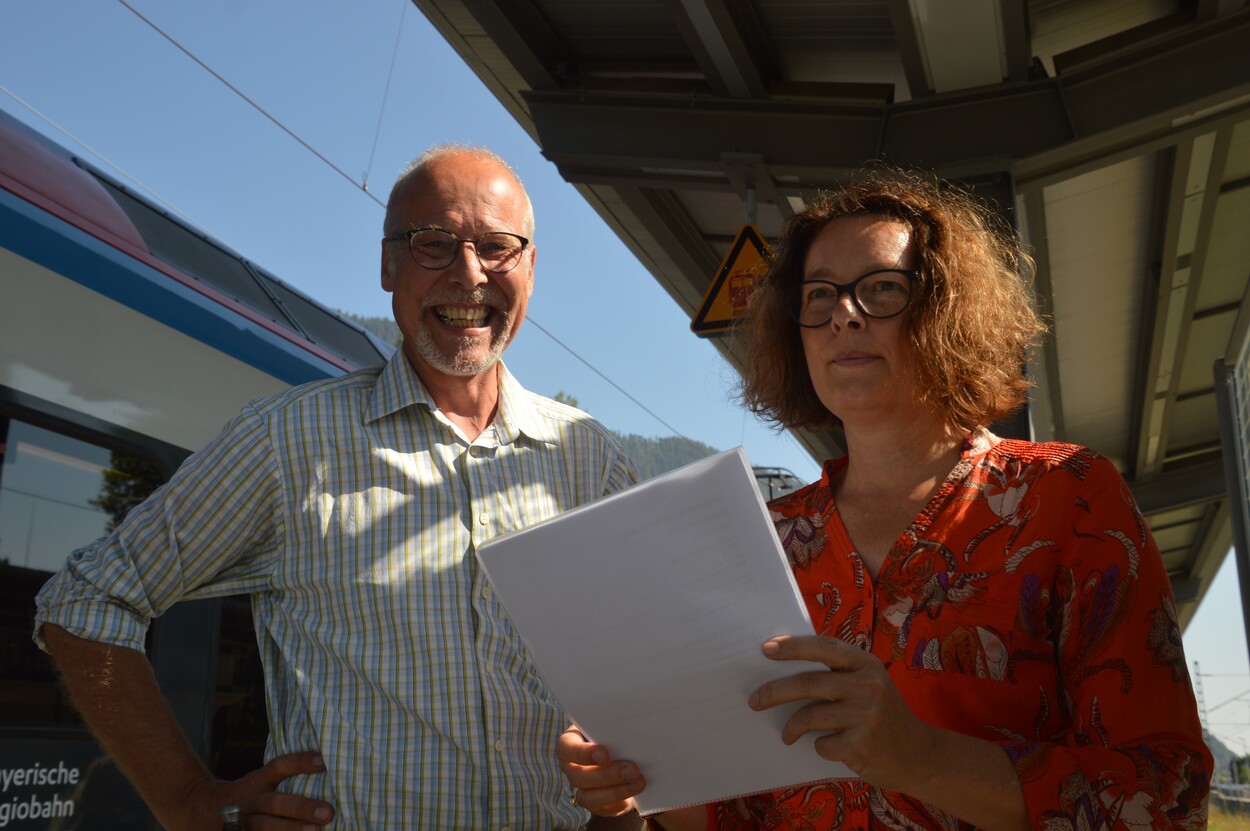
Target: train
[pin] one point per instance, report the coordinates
(128, 337)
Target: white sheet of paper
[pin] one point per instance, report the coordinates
(645, 612)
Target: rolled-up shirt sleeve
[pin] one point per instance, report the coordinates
(214, 529)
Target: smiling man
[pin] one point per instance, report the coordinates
(399, 696)
(462, 294)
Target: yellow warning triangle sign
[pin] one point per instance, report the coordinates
(725, 303)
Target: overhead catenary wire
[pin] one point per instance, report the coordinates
(362, 185)
(615, 385)
(1239, 697)
(386, 93)
(254, 105)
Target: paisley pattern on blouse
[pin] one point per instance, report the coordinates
(802, 538)
(1027, 605)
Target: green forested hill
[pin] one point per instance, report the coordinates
(383, 327)
(653, 456)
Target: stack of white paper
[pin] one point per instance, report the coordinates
(645, 612)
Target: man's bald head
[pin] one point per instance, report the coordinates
(422, 168)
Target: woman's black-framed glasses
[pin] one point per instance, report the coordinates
(434, 248)
(878, 294)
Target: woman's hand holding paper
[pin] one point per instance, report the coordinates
(856, 711)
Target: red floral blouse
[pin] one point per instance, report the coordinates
(1026, 605)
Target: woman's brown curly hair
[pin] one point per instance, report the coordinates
(971, 325)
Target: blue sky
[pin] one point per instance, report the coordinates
(127, 94)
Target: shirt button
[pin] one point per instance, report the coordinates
(499, 745)
(486, 593)
(483, 518)
(506, 828)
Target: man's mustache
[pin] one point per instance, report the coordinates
(479, 296)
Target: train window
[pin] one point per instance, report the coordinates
(325, 329)
(195, 256)
(252, 286)
(56, 493)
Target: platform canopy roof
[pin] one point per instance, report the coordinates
(1115, 133)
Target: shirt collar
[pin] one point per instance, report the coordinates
(398, 387)
(518, 415)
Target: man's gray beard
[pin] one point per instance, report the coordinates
(460, 364)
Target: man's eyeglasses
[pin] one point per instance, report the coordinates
(878, 294)
(434, 248)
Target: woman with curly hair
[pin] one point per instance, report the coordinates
(999, 631)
